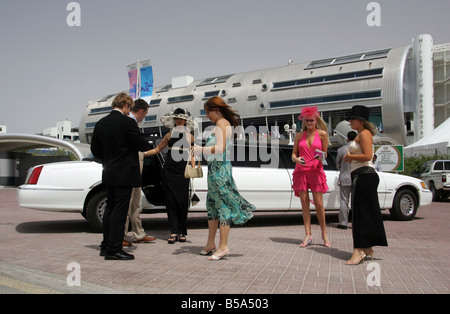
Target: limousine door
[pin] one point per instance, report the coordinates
(262, 178)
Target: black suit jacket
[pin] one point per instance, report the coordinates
(117, 141)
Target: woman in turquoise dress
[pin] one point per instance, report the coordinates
(223, 202)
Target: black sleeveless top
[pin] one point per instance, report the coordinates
(178, 152)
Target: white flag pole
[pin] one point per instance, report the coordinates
(138, 87)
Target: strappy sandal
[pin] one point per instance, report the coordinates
(172, 239)
(306, 242)
(181, 238)
(327, 242)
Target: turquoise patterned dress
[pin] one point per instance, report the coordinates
(223, 201)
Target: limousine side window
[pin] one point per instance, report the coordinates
(331, 160)
(245, 155)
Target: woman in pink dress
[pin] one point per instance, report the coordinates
(308, 173)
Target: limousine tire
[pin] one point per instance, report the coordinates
(95, 209)
(404, 206)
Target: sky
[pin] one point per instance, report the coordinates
(49, 71)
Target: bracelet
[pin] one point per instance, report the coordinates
(293, 158)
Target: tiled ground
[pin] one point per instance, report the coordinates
(265, 257)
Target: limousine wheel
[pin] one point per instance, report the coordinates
(95, 209)
(404, 206)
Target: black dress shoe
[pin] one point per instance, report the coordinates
(342, 227)
(102, 252)
(119, 255)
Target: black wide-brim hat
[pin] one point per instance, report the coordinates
(359, 112)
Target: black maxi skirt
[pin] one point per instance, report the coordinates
(176, 190)
(367, 227)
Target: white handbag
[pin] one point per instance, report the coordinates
(193, 172)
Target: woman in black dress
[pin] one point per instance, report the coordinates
(175, 185)
(367, 226)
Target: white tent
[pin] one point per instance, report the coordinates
(437, 141)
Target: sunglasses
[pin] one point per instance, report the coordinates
(310, 120)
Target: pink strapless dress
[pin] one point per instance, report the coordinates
(311, 175)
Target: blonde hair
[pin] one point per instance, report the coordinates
(370, 126)
(321, 125)
(122, 100)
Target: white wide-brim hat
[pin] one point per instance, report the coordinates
(169, 119)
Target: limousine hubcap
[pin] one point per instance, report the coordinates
(101, 208)
(407, 205)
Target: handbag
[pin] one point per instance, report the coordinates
(194, 199)
(193, 172)
(193, 196)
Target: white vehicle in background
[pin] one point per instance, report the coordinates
(76, 186)
(436, 174)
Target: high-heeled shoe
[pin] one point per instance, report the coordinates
(370, 252)
(358, 259)
(207, 252)
(326, 243)
(217, 256)
(306, 243)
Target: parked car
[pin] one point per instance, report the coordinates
(436, 174)
(263, 175)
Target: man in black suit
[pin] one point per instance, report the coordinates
(116, 142)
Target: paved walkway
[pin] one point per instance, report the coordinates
(265, 258)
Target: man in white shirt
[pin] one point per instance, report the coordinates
(344, 182)
(376, 164)
(138, 113)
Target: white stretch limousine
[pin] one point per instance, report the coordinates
(263, 175)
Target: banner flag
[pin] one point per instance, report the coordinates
(146, 80)
(133, 77)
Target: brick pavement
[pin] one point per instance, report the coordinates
(265, 256)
